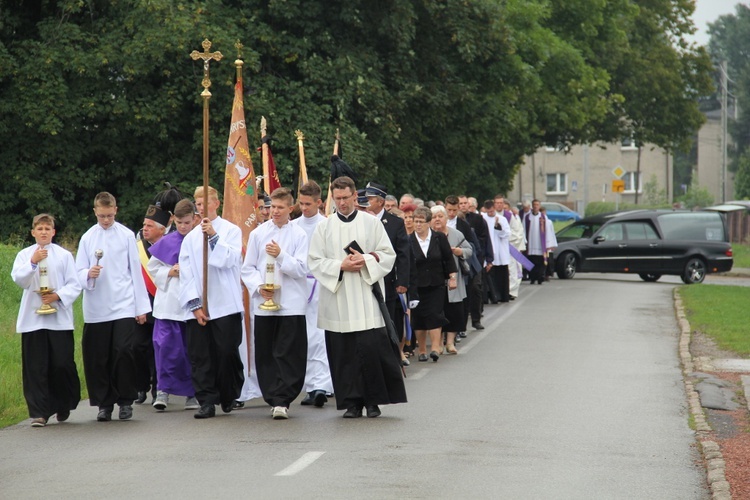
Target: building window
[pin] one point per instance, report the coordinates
(631, 180)
(628, 143)
(557, 183)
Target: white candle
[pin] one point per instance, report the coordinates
(270, 265)
(43, 278)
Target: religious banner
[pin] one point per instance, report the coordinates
(240, 196)
(240, 191)
(270, 176)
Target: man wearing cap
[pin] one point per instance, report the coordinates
(363, 203)
(265, 209)
(155, 224)
(397, 281)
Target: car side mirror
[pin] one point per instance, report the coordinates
(599, 239)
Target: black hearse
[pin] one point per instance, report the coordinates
(650, 243)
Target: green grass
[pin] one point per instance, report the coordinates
(721, 313)
(12, 404)
(741, 255)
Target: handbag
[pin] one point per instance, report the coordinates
(465, 268)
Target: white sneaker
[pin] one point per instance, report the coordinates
(192, 404)
(280, 413)
(161, 401)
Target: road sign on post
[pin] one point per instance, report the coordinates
(618, 186)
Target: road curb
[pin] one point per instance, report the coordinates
(712, 457)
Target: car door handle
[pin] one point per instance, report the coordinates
(621, 245)
(653, 245)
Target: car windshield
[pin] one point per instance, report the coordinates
(577, 230)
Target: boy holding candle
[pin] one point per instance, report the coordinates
(50, 378)
(277, 255)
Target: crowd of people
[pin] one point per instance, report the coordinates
(339, 304)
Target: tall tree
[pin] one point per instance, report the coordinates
(730, 42)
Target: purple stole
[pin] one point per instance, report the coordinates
(542, 232)
(167, 249)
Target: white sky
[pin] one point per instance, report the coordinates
(708, 11)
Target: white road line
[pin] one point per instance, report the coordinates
(505, 315)
(304, 461)
(421, 373)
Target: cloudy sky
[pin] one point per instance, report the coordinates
(707, 11)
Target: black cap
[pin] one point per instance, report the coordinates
(266, 201)
(156, 214)
(376, 189)
(362, 200)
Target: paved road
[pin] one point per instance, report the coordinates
(573, 391)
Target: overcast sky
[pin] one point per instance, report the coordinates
(708, 11)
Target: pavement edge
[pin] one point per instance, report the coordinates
(713, 459)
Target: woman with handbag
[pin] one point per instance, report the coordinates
(435, 267)
(454, 299)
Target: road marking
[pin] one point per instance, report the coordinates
(304, 461)
(421, 373)
(505, 315)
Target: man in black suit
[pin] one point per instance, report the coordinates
(397, 281)
(476, 222)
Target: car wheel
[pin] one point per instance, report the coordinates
(566, 266)
(695, 271)
(650, 277)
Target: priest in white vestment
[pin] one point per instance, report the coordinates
(349, 253)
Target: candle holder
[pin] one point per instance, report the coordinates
(45, 308)
(269, 305)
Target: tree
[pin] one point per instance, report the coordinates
(730, 42)
(432, 97)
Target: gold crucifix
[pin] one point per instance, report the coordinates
(207, 57)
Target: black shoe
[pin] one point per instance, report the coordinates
(309, 399)
(353, 412)
(435, 356)
(141, 398)
(423, 357)
(126, 412)
(373, 411)
(62, 416)
(104, 415)
(462, 335)
(477, 325)
(227, 407)
(206, 411)
(238, 404)
(319, 398)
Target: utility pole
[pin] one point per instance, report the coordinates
(724, 115)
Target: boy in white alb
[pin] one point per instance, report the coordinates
(114, 299)
(170, 343)
(318, 378)
(50, 377)
(214, 330)
(280, 336)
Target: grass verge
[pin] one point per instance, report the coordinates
(741, 255)
(721, 313)
(12, 404)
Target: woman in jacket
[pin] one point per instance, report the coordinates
(453, 305)
(435, 268)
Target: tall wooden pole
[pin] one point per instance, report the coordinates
(329, 198)
(302, 164)
(207, 57)
(264, 156)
